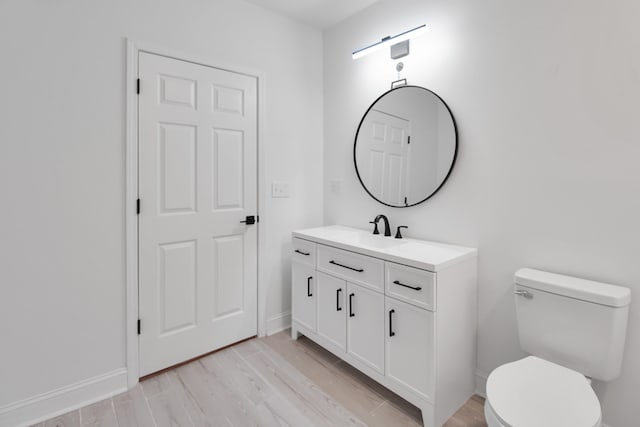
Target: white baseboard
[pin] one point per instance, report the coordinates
(481, 383)
(64, 399)
(279, 322)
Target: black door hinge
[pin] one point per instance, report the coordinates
(258, 218)
(408, 137)
(138, 86)
(138, 206)
(139, 329)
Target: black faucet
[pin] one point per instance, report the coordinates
(387, 229)
(398, 233)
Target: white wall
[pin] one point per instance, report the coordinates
(62, 179)
(546, 95)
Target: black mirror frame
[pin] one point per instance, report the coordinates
(455, 150)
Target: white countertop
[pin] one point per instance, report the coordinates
(432, 256)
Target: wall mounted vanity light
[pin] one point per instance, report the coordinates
(399, 43)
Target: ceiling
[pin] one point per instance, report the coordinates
(318, 13)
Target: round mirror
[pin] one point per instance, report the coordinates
(405, 146)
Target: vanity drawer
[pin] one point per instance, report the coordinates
(356, 268)
(304, 252)
(410, 284)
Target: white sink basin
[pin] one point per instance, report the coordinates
(430, 256)
(377, 241)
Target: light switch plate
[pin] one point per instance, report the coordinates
(279, 189)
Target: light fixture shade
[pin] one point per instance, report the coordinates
(414, 32)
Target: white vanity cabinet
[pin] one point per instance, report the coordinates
(401, 311)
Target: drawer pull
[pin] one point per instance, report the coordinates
(359, 270)
(302, 253)
(309, 294)
(351, 314)
(338, 308)
(391, 333)
(415, 288)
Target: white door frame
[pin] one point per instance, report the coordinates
(131, 217)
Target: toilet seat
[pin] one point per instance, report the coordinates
(533, 392)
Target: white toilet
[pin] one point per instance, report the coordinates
(574, 329)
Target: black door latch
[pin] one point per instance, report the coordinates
(250, 220)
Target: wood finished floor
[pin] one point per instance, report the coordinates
(271, 381)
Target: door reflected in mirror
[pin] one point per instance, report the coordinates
(405, 146)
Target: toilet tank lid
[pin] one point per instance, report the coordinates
(573, 287)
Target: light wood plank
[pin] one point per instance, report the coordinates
(471, 414)
(238, 375)
(132, 408)
(166, 401)
(156, 385)
(246, 348)
(388, 415)
(270, 382)
(196, 413)
(99, 414)
(245, 383)
(291, 381)
(70, 419)
(212, 397)
(281, 410)
(322, 367)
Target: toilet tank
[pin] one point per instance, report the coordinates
(576, 323)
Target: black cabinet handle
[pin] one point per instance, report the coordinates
(302, 253)
(309, 294)
(391, 333)
(338, 308)
(359, 270)
(415, 288)
(351, 305)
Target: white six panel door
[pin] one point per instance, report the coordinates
(385, 166)
(197, 181)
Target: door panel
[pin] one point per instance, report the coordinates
(303, 286)
(365, 326)
(409, 352)
(228, 268)
(178, 286)
(228, 146)
(197, 181)
(177, 164)
(384, 154)
(332, 310)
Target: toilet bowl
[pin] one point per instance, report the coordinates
(533, 392)
(571, 328)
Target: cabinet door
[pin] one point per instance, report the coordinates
(409, 349)
(332, 319)
(365, 326)
(303, 288)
